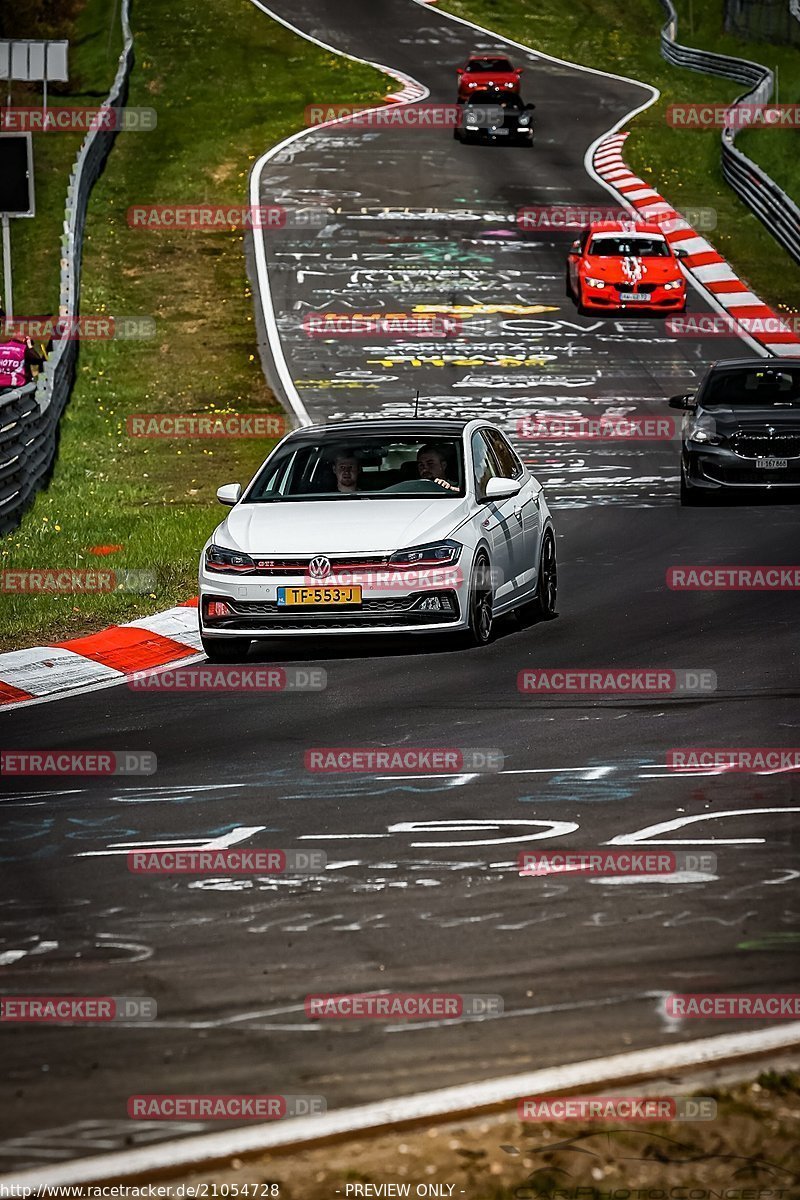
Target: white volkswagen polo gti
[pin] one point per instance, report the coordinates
(378, 527)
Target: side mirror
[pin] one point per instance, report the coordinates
(518, 70)
(500, 488)
(684, 401)
(680, 252)
(575, 248)
(530, 106)
(229, 493)
(459, 70)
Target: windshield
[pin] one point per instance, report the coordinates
(771, 387)
(627, 247)
(363, 468)
(484, 65)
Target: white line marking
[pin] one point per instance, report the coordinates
(424, 1107)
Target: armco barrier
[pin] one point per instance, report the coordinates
(760, 193)
(29, 417)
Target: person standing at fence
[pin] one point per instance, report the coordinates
(18, 357)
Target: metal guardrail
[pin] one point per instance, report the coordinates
(777, 211)
(29, 416)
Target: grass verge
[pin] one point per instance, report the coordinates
(226, 83)
(682, 164)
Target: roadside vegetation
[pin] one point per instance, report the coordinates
(227, 83)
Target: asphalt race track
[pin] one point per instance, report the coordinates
(421, 891)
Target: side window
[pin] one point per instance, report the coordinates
(484, 463)
(510, 466)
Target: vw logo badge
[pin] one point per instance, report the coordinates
(319, 567)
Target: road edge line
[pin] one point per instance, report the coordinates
(443, 1105)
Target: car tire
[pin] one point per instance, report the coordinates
(543, 605)
(225, 650)
(481, 603)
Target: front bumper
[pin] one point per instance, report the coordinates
(254, 612)
(716, 467)
(608, 300)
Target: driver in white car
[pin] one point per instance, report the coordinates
(346, 468)
(432, 464)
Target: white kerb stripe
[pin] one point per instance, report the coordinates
(44, 669)
(446, 1103)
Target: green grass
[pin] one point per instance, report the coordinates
(684, 165)
(227, 83)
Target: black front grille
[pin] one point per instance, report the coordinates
(371, 614)
(753, 443)
(268, 608)
(646, 288)
(790, 477)
(297, 565)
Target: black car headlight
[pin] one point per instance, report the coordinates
(228, 562)
(436, 554)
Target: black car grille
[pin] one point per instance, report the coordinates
(294, 565)
(752, 443)
(370, 614)
(646, 288)
(788, 476)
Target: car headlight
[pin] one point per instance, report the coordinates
(704, 430)
(592, 282)
(228, 562)
(436, 554)
(524, 121)
(471, 119)
(673, 284)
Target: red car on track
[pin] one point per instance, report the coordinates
(487, 72)
(618, 266)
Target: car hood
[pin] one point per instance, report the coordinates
(728, 420)
(655, 270)
(340, 526)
